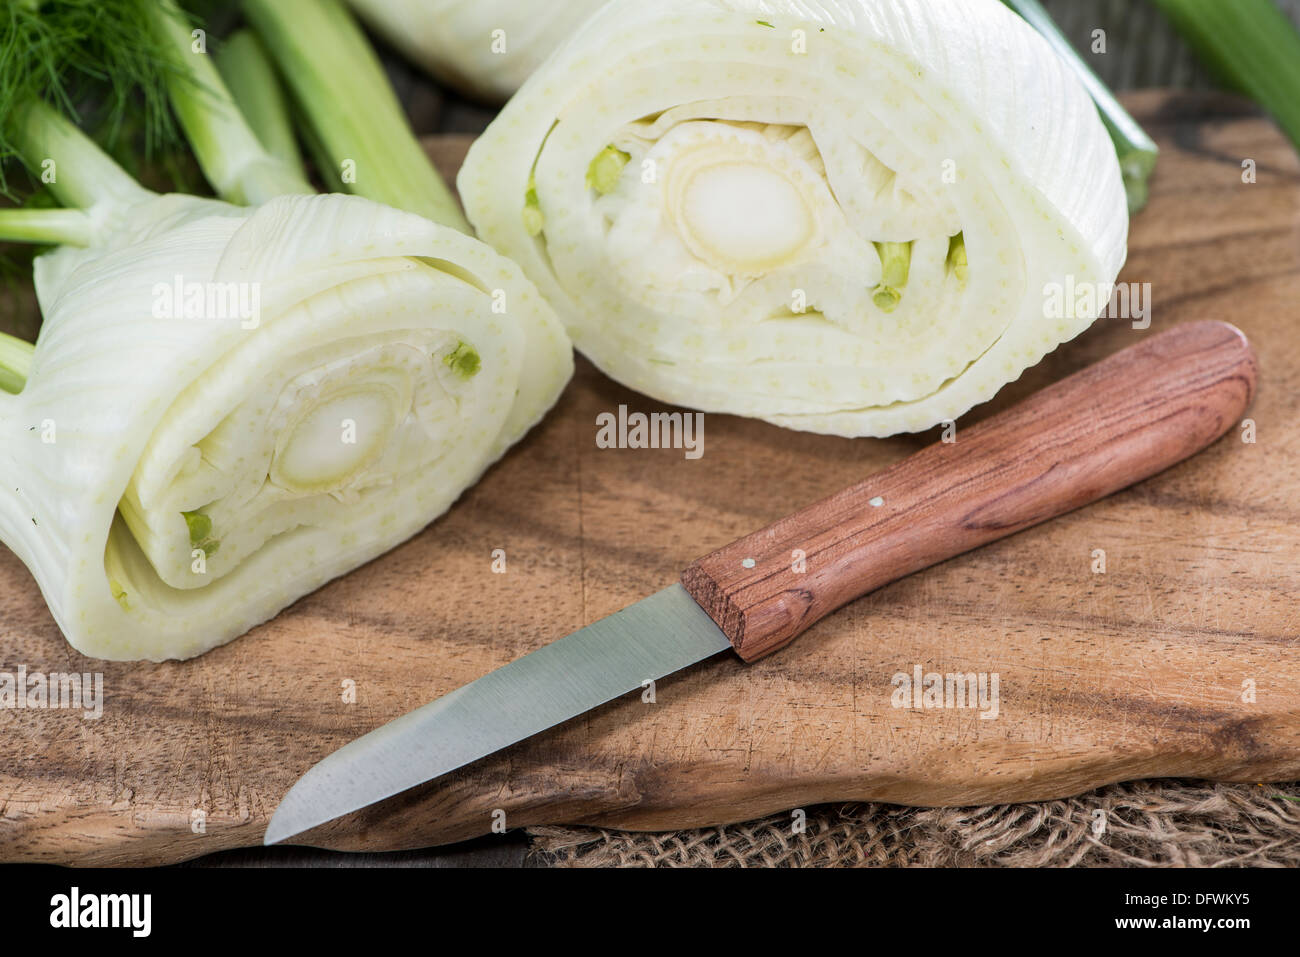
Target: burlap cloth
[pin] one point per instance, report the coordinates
(1146, 823)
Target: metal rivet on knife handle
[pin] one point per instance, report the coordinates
(1102, 429)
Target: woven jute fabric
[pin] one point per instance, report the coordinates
(1144, 824)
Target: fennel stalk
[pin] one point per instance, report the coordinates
(362, 134)
(1249, 44)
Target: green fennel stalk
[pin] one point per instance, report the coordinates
(15, 362)
(1136, 150)
(69, 227)
(83, 177)
(338, 83)
(239, 167)
(1249, 44)
(250, 77)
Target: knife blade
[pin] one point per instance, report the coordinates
(646, 641)
(1093, 433)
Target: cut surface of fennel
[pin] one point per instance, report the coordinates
(838, 216)
(174, 480)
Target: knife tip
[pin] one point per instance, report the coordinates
(274, 834)
(284, 824)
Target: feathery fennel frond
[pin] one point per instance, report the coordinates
(77, 52)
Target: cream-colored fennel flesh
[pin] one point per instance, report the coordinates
(842, 216)
(331, 376)
(485, 47)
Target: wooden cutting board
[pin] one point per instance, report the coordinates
(1135, 672)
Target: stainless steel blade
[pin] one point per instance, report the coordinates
(653, 638)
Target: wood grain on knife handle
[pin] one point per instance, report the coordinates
(1102, 429)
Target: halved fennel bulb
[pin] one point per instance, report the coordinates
(228, 407)
(836, 215)
(485, 47)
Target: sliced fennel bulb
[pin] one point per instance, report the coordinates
(227, 406)
(838, 216)
(485, 47)
(172, 481)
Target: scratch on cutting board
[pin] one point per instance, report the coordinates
(582, 551)
(582, 528)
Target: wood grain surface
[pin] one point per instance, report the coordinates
(1138, 671)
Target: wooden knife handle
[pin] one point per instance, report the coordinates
(1097, 431)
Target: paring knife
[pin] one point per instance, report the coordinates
(1097, 431)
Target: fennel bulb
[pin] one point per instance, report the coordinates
(173, 478)
(227, 405)
(485, 47)
(840, 216)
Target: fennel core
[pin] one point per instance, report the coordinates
(464, 360)
(956, 262)
(200, 529)
(895, 264)
(604, 171)
(603, 174)
(534, 222)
